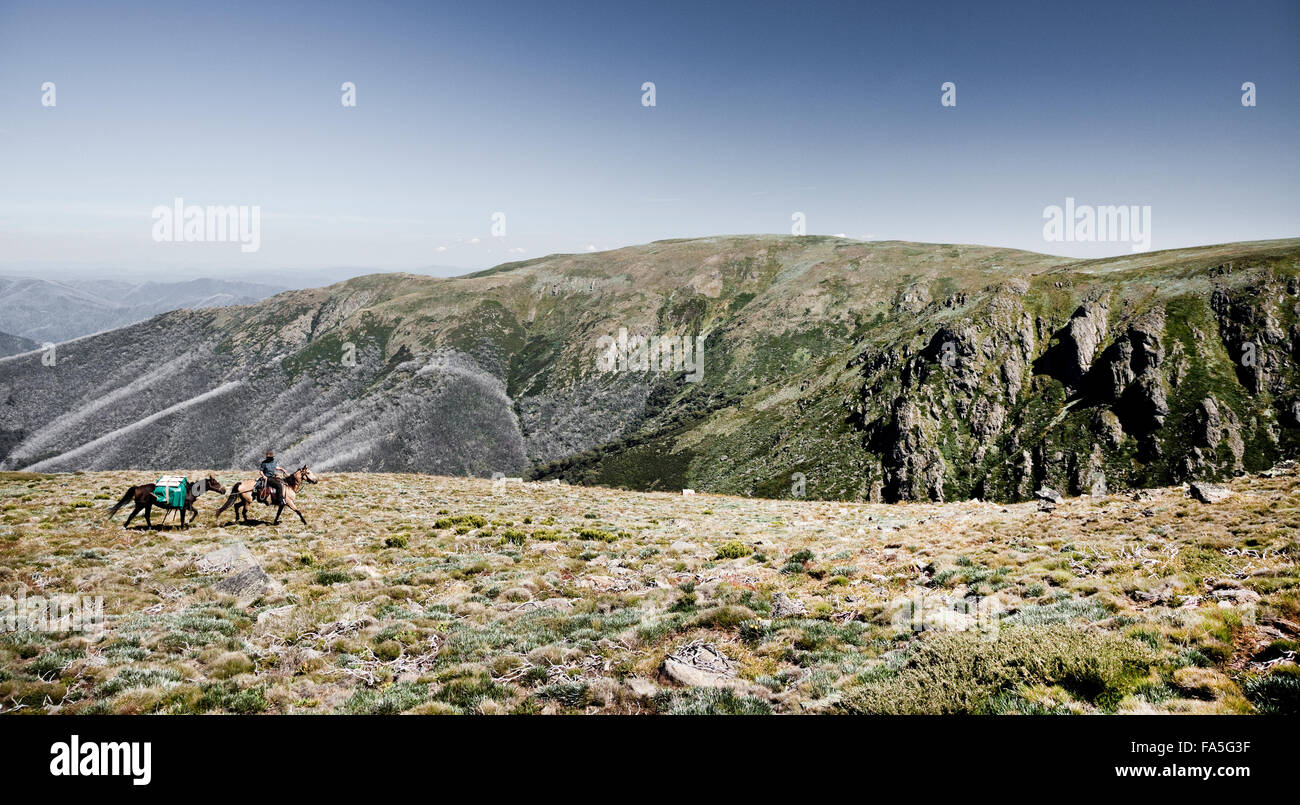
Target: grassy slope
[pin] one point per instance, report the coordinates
(428, 594)
(785, 318)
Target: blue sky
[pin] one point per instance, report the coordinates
(534, 110)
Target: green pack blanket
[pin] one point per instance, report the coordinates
(170, 490)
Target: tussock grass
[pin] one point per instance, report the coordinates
(555, 599)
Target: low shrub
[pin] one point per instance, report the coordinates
(965, 672)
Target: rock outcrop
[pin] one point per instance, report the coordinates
(1131, 389)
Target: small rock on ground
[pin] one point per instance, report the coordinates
(1049, 494)
(784, 606)
(247, 584)
(1209, 493)
(699, 665)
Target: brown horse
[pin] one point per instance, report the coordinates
(241, 495)
(142, 496)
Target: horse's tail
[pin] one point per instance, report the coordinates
(130, 493)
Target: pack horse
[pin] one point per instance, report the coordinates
(170, 493)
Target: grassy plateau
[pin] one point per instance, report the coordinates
(428, 595)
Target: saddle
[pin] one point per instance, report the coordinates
(262, 491)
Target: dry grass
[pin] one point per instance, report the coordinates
(444, 595)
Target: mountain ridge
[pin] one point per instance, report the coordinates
(55, 311)
(876, 370)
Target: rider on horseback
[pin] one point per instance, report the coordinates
(269, 478)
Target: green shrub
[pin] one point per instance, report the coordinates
(1278, 693)
(514, 536)
(965, 672)
(710, 702)
(569, 694)
(595, 533)
(724, 617)
(130, 678)
(466, 521)
(468, 693)
(50, 664)
(328, 577)
(396, 699)
(734, 550)
(226, 696)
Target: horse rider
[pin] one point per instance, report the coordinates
(269, 478)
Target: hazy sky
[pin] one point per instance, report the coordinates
(534, 109)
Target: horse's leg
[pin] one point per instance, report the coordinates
(277, 514)
(182, 517)
(148, 509)
(132, 515)
(224, 506)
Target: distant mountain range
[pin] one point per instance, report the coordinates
(832, 368)
(42, 310)
(15, 344)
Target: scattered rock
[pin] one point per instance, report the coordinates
(699, 664)
(246, 585)
(1046, 506)
(1163, 594)
(1049, 494)
(1283, 467)
(1209, 493)
(232, 558)
(784, 606)
(1232, 598)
